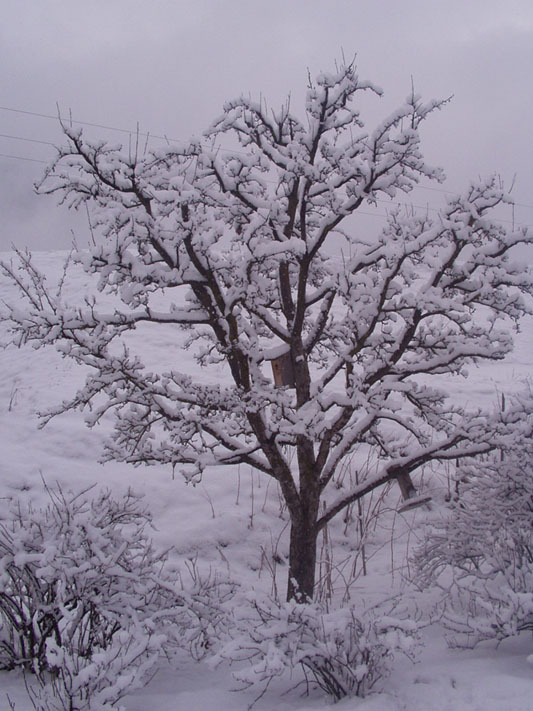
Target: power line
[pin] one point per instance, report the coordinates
(360, 212)
(164, 138)
(32, 160)
(144, 134)
(22, 138)
(58, 117)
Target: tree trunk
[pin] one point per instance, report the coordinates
(302, 561)
(303, 536)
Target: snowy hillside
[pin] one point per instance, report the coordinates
(235, 522)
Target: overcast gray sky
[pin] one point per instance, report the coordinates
(170, 64)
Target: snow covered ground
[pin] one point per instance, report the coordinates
(235, 521)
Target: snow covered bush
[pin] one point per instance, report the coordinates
(481, 554)
(89, 606)
(341, 652)
(99, 681)
(195, 608)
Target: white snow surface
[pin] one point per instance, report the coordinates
(232, 520)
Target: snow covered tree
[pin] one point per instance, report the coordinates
(249, 241)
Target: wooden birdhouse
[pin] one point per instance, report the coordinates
(282, 371)
(406, 486)
(410, 496)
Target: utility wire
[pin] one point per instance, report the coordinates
(165, 138)
(22, 138)
(32, 160)
(427, 208)
(58, 117)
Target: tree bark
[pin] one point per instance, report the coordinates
(304, 516)
(302, 561)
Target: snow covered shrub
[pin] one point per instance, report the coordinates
(481, 554)
(339, 651)
(197, 606)
(97, 682)
(73, 573)
(87, 604)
